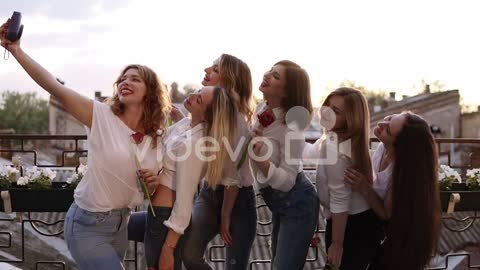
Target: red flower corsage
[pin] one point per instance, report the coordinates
(138, 137)
(266, 118)
(315, 241)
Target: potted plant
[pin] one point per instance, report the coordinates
(36, 191)
(473, 179)
(450, 183)
(73, 180)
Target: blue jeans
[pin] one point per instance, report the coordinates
(155, 235)
(97, 240)
(205, 225)
(294, 219)
(136, 226)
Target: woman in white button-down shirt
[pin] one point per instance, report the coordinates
(404, 192)
(185, 162)
(277, 165)
(228, 207)
(353, 231)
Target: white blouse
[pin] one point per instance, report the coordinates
(110, 181)
(182, 170)
(332, 160)
(286, 153)
(381, 180)
(242, 177)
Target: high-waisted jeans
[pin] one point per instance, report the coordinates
(294, 219)
(97, 240)
(205, 225)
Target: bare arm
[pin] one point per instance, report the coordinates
(230, 194)
(375, 203)
(79, 106)
(166, 259)
(335, 251)
(339, 223)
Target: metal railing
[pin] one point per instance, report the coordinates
(25, 145)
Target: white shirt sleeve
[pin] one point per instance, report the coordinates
(283, 176)
(188, 172)
(101, 121)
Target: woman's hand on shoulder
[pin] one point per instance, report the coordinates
(356, 180)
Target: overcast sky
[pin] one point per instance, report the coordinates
(388, 45)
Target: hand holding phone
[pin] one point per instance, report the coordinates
(15, 27)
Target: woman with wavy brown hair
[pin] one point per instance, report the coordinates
(96, 223)
(404, 191)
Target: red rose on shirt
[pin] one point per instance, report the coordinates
(315, 241)
(266, 118)
(138, 137)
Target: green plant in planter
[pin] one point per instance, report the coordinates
(73, 180)
(447, 176)
(8, 175)
(473, 179)
(36, 178)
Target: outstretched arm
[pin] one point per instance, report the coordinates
(79, 106)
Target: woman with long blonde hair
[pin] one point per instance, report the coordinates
(185, 163)
(353, 231)
(226, 206)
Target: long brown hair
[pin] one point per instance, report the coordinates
(221, 119)
(297, 87)
(357, 127)
(156, 103)
(415, 221)
(235, 76)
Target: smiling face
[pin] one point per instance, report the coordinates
(274, 81)
(388, 129)
(131, 87)
(198, 101)
(212, 74)
(333, 114)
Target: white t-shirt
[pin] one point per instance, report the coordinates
(382, 180)
(110, 181)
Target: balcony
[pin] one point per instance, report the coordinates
(34, 240)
